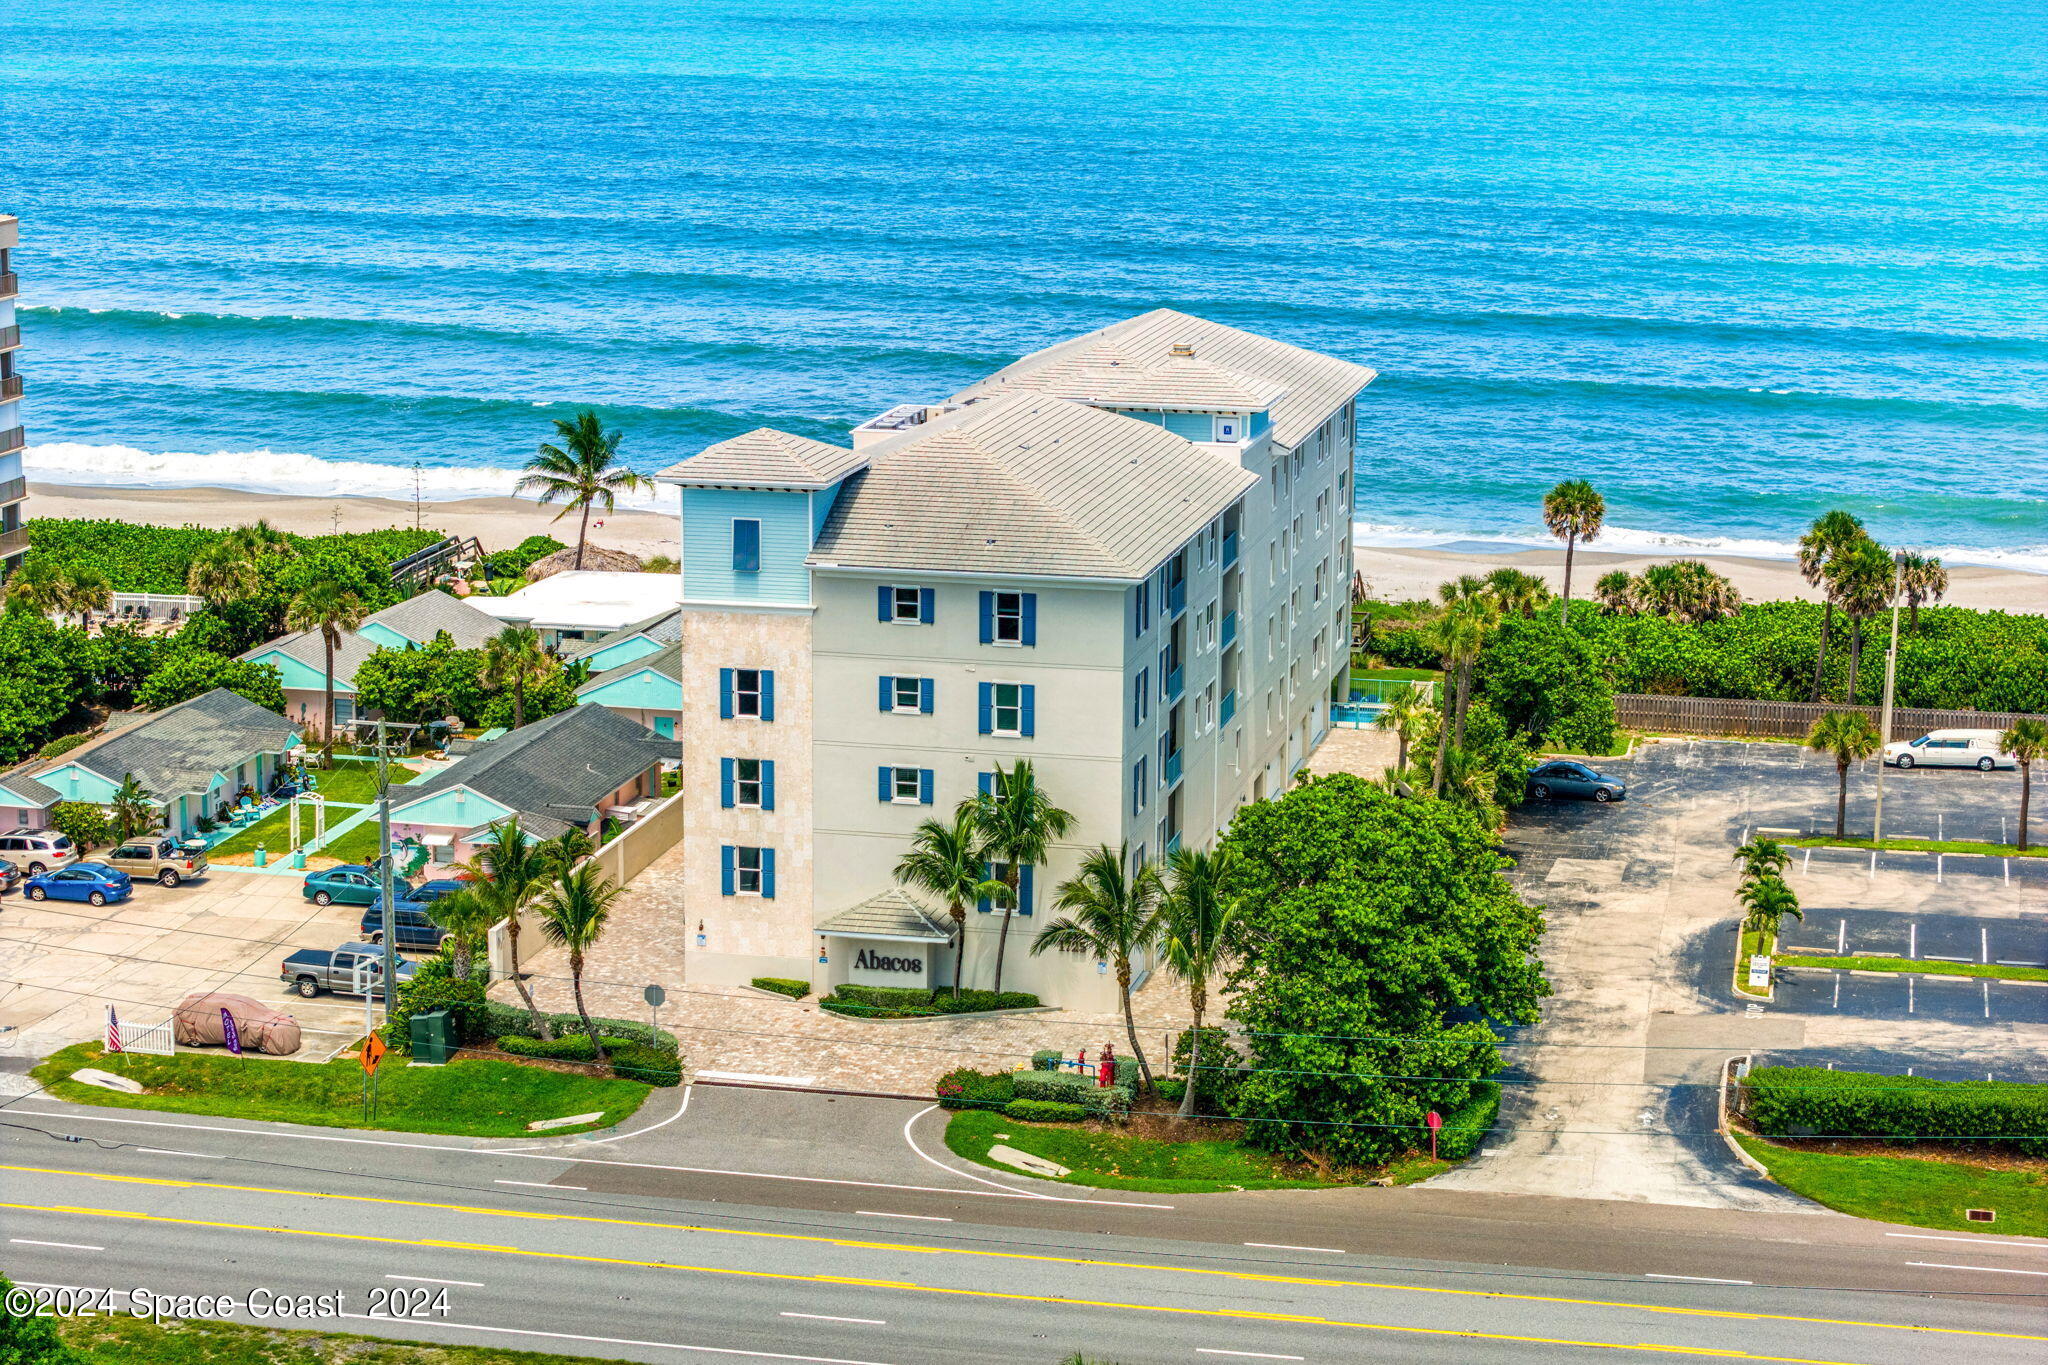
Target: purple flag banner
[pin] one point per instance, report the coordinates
(230, 1035)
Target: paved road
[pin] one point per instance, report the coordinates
(838, 1240)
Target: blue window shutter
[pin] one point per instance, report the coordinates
(924, 786)
(768, 874)
(1030, 617)
(1024, 891)
(982, 903)
(885, 784)
(725, 783)
(1030, 709)
(924, 695)
(884, 603)
(987, 784)
(988, 706)
(927, 605)
(886, 693)
(767, 784)
(988, 620)
(767, 695)
(725, 694)
(725, 862)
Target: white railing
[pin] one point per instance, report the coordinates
(152, 1040)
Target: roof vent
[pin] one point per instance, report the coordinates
(1183, 351)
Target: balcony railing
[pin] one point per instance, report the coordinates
(10, 337)
(1177, 598)
(1170, 770)
(10, 387)
(1229, 629)
(1172, 845)
(10, 284)
(13, 542)
(13, 439)
(1176, 683)
(1229, 706)
(13, 490)
(1229, 548)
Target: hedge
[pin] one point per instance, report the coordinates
(892, 997)
(434, 987)
(1789, 1101)
(1102, 1101)
(1045, 1111)
(1047, 1059)
(782, 985)
(648, 1065)
(903, 1002)
(1466, 1126)
(573, 1047)
(966, 1088)
(501, 1021)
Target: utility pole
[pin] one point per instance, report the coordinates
(416, 518)
(1891, 675)
(384, 874)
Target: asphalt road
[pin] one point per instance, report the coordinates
(848, 1243)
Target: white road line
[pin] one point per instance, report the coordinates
(540, 1184)
(1696, 1279)
(1282, 1246)
(68, 1246)
(1243, 1355)
(827, 1317)
(1006, 1190)
(628, 1341)
(1944, 1237)
(428, 1279)
(919, 1217)
(1987, 1269)
(681, 1110)
(172, 1151)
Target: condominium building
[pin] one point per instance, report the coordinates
(13, 484)
(1124, 558)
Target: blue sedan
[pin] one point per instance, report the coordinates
(426, 893)
(94, 883)
(1563, 777)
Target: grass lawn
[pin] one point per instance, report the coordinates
(137, 1341)
(469, 1098)
(354, 783)
(1112, 1161)
(1927, 1192)
(359, 845)
(1914, 964)
(1920, 846)
(1753, 941)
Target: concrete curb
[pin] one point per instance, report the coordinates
(941, 1018)
(1727, 1075)
(1741, 966)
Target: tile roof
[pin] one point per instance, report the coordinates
(184, 747)
(1028, 484)
(765, 458)
(667, 661)
(892, 914)
(559, 767)
(1312, 384)
(1106, 373)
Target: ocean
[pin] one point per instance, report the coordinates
(1735, 262)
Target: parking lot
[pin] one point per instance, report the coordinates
(63, 962)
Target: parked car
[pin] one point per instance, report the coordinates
(348, 885)
(38, 850)
(1950, 749)
(409, 920)
(1564, 777)
(158, 858)
(10, 876)
(311, 971)
(94, 883)
(426, 893)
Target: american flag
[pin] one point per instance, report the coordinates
(113, 1030)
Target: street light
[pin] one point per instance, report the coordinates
(1891, 675)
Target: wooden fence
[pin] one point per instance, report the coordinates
(1782, 719)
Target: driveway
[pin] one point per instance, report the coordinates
(63, 962)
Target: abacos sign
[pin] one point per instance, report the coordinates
(887, 963)
(871, 961)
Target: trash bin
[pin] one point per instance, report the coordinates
(433, 1036)
(262, 855)
(298, 859)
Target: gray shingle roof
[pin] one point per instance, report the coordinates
(558, 767)
(182, 748)
(1313, 384)
(765, 458)
(28, 789)
(418, 619)
(664, 630)
(1028, 484)
(667, 661)
(892, 914)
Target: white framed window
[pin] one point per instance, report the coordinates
(746, 691)
(1316, 591)
(746, 871)
(1273, 479)
(1323, 511)
(746, 783)
(1141, 696)
(1344, 490)
(1007, 618)
(905, 606)
(905, 787)
(1006, 709)
(906, 694)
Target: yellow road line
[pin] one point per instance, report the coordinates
(861, 1244)
(1233, 1314)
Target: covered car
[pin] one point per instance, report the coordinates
(263, 1028)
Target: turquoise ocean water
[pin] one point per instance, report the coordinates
(1736, 262)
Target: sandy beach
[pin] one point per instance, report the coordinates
(1395, 573)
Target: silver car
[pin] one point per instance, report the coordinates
(38, 850)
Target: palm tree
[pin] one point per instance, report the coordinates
(946, 862)
(1924, 580)
(36, 586)
(1830, 534)
(1458, 635)
(1860, 579)
(572, 914)
(507, 866)
(1617, 591)
(1197, 929)
(467, 915)
(1848, 737)
(1410, 707)
(1573, 511)
(330, 609)
(87, 590)
(1768, 900)
(582, 472)
(1115, 916)
(134, 813)
(1016, 824)
(1513, 591)
(515, 658)
(222, 573)
(568, 848)
(1762, 858)
(2027, 742)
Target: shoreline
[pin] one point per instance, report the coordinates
(1391, 572)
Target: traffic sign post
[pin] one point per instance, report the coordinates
(655, 996)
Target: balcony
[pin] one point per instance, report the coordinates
(10, 387)
(1176, 684)
(1169, 771)
(1229, 708)
(13, 542)
(1177, 598)
(10, 337)
(1229, 629)
(13, 439)
(13, 490)
(10, 284)
(1229, 548)
(1172, 845)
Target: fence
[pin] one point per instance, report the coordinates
(1782, 719)
(153, 1040)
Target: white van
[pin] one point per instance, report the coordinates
(1950, 749)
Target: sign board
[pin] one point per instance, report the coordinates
(373, 1053)
(229, 1034)
(871, 962)
(655, 997)
(1759, 971)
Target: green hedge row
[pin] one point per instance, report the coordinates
(1045, 1111)
(782, 985)
(903, 1002)
(648, 1065)
(1101, 1101)
(966, 1088)
(1786, 1101)
(501, 1021)
(1466, 1126)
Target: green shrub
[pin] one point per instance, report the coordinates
(972, 1002)
(1101, 1101)
(890, 997)
(573, 1047)
(434, 987)
(648, 1065)
(501, 1021)
(83, 821)
(966, 1088)
(783, 985)
(1466, 1126)
(1170, 1089)
(1222, 1069)
(1045, 1111)
(1787, 1101)
(64, 744)
(1047, 1059)
(1547, 683)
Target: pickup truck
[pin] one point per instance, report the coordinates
(157, 859)
(310, 971)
